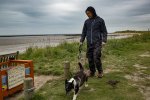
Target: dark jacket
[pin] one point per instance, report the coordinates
(94, 30)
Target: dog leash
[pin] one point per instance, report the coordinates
(79, 56)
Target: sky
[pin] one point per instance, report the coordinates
(18, 17)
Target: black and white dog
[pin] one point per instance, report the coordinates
(77, 81)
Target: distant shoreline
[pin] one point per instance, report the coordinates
(126, 31)
(40, 35)
(109, 34)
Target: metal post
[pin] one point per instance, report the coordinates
(28, 89)
(66, 69)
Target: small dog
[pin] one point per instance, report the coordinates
(77, 81)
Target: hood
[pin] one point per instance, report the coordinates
(91, 9)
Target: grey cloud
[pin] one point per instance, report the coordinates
(32, 16)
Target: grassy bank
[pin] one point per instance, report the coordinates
(50, 60)
(98, 90)
(131, 31)
(120, 59)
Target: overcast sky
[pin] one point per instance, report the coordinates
(68, 16)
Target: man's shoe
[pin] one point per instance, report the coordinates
(100, 74)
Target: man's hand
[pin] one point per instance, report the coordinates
(103, 44)
(81, 43)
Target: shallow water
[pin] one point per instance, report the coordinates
(21, 43)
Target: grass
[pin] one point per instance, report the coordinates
(131, 31)
(119, 55)
(97, 90)
(50, 60)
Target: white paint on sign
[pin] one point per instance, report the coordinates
(16, 76)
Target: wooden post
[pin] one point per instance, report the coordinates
(1, 91)
(28, 88)
(32, 70)
(66, 69)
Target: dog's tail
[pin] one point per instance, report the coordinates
(81, 67)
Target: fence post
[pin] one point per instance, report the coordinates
(32, 70)
(1, 91)
(28, 88)
(66, 69)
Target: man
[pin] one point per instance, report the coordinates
(95, 31)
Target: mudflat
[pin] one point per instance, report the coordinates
(20, 43)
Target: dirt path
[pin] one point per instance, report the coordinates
(42, 79)
(39, 82)
(140, 79)
(146, 54)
